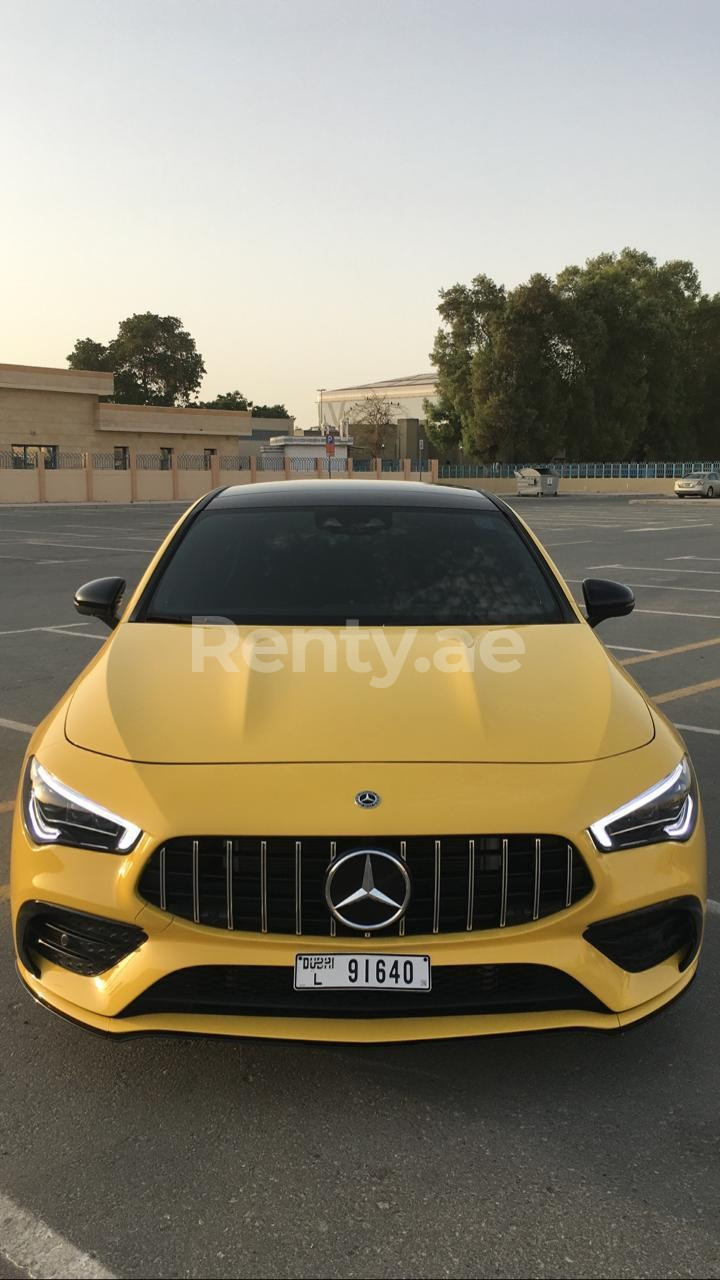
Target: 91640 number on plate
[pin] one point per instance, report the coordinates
(353, 971)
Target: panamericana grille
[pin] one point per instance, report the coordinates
(265, 991)
(277, 885)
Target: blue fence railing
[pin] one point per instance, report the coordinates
(578, 470)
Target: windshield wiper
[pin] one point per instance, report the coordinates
(168, 617)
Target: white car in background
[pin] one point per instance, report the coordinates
(699, 484)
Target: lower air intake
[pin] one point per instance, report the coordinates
(82, 943)
(267, 991)
(641, 939)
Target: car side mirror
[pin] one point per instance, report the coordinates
(606, 599)
(100, 599)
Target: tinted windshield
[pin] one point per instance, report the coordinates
(375, 564)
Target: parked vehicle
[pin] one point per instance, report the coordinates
(354, 765)
(699, 484)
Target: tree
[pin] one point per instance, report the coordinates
(154, 360)
(617, 359)
(269, 411)
(229, 400)
(236, 400)
(373, 423)
(89, 354)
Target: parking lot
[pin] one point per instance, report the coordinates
(564, 1154)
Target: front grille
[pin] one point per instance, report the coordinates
(277, 885)
(267, 991)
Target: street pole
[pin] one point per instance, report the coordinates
(320, 408)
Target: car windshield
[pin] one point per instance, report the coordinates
(393, 565)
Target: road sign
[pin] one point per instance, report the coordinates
(330, 446)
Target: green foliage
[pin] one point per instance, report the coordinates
(617, 359)
(229, 400)
(236, 400)
(89, 354)
(269, 411)
(154, 360)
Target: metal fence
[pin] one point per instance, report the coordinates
(67, 460)
(231, 462)
(577, 470)
(73, 460)
(193, 462)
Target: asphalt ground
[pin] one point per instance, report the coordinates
(569, 1154)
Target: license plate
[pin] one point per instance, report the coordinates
(355, 971)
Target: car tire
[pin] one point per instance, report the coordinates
(710, 492)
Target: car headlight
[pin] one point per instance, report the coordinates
(667, 811)
(55, 814)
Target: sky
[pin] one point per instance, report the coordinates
(297, 179)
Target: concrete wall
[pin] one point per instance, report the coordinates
(47, 417)
(32, 377)
(509, 486)
(18, 486)
(65, 486)
(79, 485)
(111, 486)
(147, 427)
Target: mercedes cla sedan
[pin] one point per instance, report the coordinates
(353, 765)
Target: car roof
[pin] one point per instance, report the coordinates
(368, 493)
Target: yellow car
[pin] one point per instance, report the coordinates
(352, 765)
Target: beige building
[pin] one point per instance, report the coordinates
(61, 411)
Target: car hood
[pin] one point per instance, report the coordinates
(567, 701)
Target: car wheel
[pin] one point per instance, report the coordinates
(710, 492)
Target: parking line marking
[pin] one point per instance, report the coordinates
(629, 648)
(697, 728)
(670, 653)
(713, 907)
(18, 726)
(6, 806)
(650, 568)
(579, 542)
(661, 586)
(54, 626)
(690, 689)
(84, 546)
(32, 1246)
(79, 635)
(673, 613)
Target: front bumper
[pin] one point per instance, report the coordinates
(461, 798)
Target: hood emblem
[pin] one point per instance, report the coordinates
(367, 799)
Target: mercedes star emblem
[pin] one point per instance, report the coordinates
(367, 889)
(367, 799)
